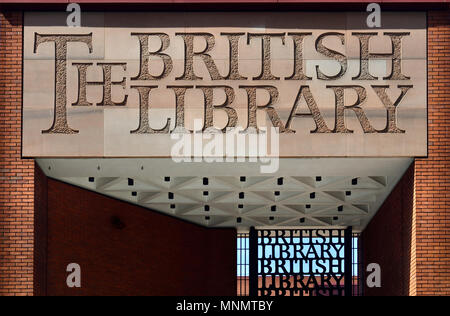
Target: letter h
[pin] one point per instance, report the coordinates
(396, 56)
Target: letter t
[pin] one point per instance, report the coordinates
(60, 125)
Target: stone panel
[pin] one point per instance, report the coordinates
(331, 60)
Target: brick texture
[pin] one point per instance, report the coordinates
(16, 174)
(410, 235)
(432, 175)
(387, 240)
(124, 249)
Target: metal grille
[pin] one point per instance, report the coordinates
(313, 262)
(243, 265)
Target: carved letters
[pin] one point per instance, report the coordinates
(60, 125)
(146, 81)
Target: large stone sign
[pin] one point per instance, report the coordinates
(123, 84)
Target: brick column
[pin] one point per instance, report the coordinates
(16, 174)
(432, 175)
(410, 235)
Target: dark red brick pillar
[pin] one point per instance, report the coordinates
(387, 240)
(40, 232)
(410, 235)
(432, 175)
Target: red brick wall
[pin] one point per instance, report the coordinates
(387, 239)
(432, 175)
(411, 242)
(16, 175)
(128, 250)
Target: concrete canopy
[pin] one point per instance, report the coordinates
(304, 192)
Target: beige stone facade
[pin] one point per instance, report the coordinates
(122, 83)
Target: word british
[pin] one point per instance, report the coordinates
(146, 81)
